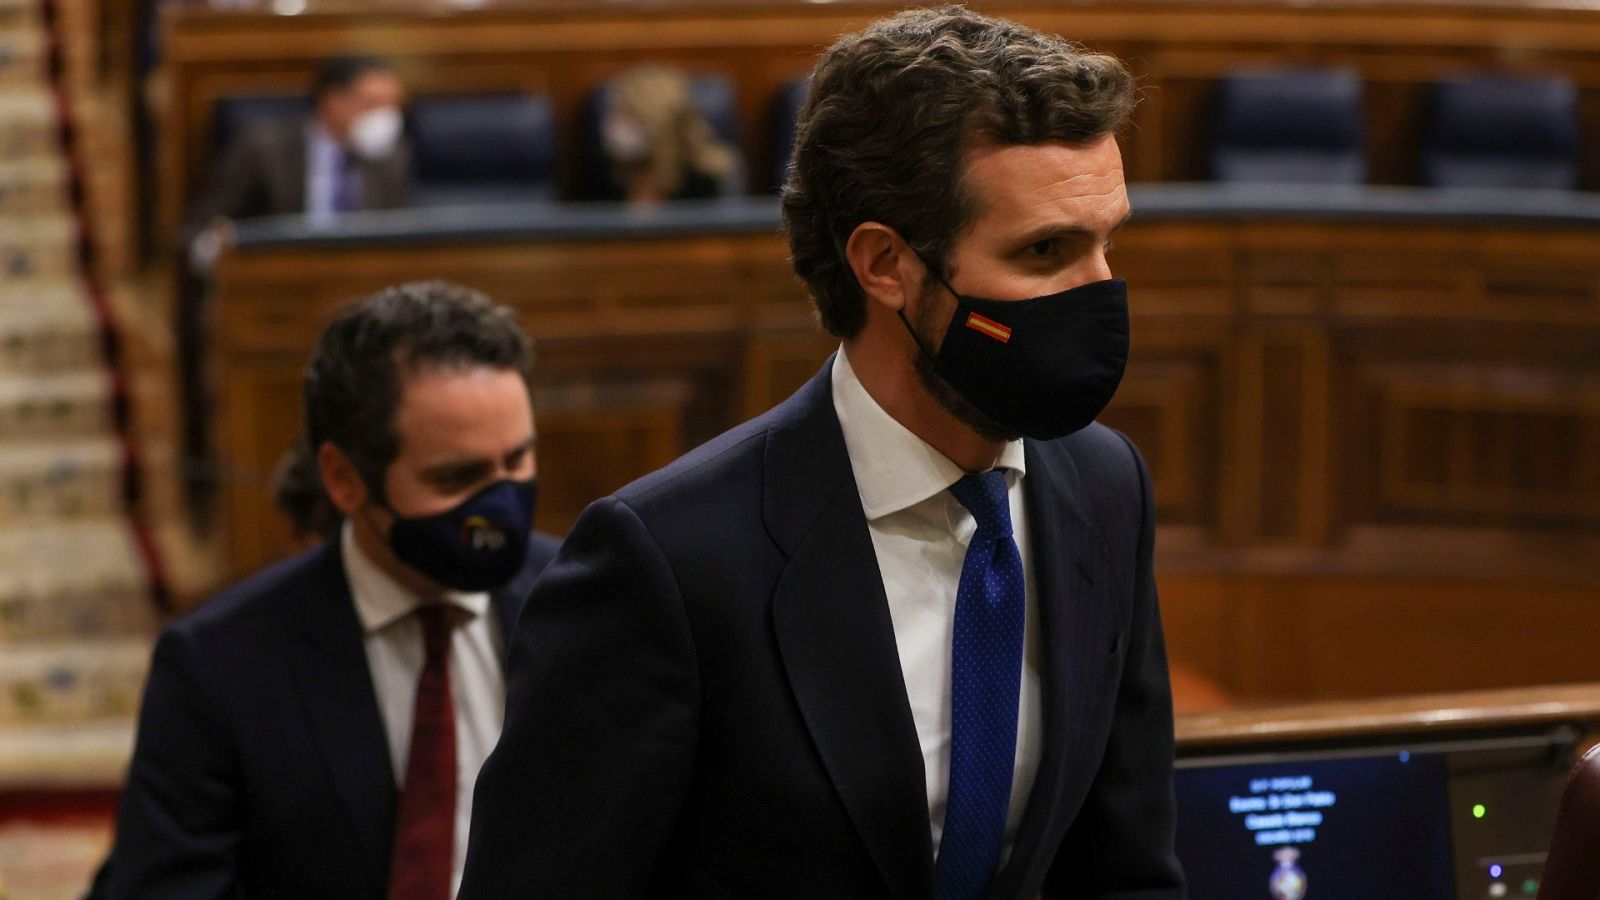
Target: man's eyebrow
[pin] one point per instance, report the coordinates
(522, 448)
(454, 469)
(1046, 232)
(471, 465)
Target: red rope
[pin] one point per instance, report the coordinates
(105, 316)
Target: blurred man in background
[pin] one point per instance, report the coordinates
(348, 155)
(315, 731)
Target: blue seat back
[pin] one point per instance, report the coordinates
(712, 95)
(1290, 126)
(1490, 131)
(233, 116)
(785, 119)
(483, 147)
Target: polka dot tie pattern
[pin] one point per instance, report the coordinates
(986, 677)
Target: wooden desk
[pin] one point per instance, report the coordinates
(1373, 422)
(565, 47)
(1413, 717)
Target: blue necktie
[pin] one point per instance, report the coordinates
(986, 677)
(346, 185)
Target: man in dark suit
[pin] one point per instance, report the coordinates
(348, 155)
(315, 731)
(899, 636)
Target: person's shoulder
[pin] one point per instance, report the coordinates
(731, 464)
(1099, 458)
(541, 549)
(723, 464)
(542, 545)
(1098, 442)
(240, 610)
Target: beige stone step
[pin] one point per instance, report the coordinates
(87, 754)
(33, 186)
(40, 247)
(23, 56)
(57, 609)
(59, 683)
(27, 123)
(47, 326)
(55, 405)
(44, 481)
(58, 558)
(19, 15)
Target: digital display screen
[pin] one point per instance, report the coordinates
(1331, 828)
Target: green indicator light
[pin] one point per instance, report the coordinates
(1530, 887)
(1478, 811)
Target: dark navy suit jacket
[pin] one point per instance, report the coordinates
(705, 699)
(261, 767)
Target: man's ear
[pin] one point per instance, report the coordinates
(884, 265)
(340, 479)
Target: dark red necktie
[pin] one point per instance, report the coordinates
(424, 835)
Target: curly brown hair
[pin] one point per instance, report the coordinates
(355, 378)
(891, 113)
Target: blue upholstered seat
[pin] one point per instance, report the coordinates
(235, 115)
(470, 148)
(1499, 132)
(785, 116)
(1292, 126)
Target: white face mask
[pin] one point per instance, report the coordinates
(625, 140)
(374, 133)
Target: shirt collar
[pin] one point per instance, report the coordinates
(323, 144)
(894, 468)
(380, 599)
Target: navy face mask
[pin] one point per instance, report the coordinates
(1043, 367)
(477, 545)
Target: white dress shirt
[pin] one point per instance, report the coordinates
(324, 160)
(920, 534)
(393, 640)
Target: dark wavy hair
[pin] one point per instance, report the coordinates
(340, 73)
(891, 113)
(354, 379)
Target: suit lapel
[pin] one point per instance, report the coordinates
(290, 168)
(837, 641)
(506, 605)
(1078, 632)
(507, 600)
(341, 708)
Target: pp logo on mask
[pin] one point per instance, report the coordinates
(482, 535)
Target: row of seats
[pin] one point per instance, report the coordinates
(1307, 126)
(502, 146)
(1300, 126)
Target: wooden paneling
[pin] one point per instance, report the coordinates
(1376, 454)
(1299, 636)
(1178, 51)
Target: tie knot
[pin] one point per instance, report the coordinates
(438, 621)
(984, 495)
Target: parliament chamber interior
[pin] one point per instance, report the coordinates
(1364, 277)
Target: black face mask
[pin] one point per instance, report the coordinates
(1043, 367)
(477, 545)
